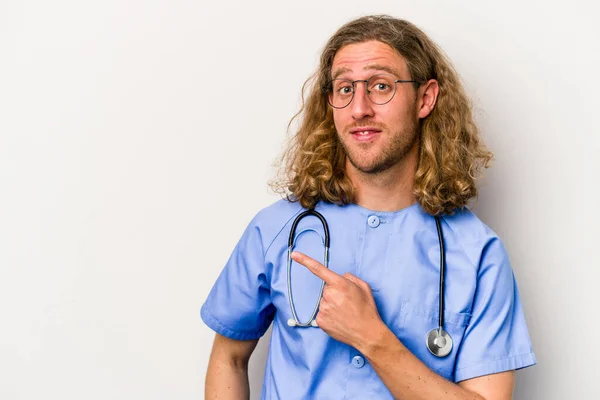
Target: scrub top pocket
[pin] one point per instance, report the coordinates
(414, 322)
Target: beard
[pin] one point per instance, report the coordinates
(395, 150)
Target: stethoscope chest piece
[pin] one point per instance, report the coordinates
(439, 342)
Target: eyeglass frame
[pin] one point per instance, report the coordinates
(326, 89)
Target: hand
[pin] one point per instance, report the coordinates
(347, 311)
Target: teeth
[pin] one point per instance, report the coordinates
(365, 132)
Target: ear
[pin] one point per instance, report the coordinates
(426, 98)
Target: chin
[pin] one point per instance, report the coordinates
(370, 167)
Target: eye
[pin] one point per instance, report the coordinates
(380, 86)
(344, 89)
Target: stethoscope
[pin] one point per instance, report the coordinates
(438, 341)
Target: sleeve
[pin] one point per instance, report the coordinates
(239, 304)
(497, 338)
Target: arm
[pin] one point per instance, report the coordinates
(406, 377)
(227, 375)
(348, 313)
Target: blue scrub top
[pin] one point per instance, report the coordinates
(397, 254)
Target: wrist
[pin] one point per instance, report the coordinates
(377, 339)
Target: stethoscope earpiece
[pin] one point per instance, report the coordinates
(292, 322)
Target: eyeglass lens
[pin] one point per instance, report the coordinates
(380, 89)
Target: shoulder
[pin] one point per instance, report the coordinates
(467, 225)
(276, 214)
(476, 238)
(271, 220)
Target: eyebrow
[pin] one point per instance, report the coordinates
(379, 67)
(340, 71)
(376, 67)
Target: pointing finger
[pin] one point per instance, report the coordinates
(316, 268)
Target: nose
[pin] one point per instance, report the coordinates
(361, 105)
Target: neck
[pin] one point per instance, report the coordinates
(389, 190)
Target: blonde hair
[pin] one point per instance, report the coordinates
(451, 154)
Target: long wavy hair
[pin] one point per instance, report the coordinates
(451, 153)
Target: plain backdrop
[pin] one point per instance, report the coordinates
(137, 139)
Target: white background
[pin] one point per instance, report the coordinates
(137, 137)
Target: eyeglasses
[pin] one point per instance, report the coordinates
(380, 90)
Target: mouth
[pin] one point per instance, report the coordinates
(364, 134)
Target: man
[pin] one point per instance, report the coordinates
(387, 153)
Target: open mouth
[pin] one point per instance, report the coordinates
(364, 135)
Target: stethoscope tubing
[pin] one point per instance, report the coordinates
(438, 225)
(438, 341)
(311, 320)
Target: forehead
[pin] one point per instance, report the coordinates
(358, 57)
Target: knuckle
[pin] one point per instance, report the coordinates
(319, 319)
(341, 301)
(334, 293)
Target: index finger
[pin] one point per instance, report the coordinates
(316, 268)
